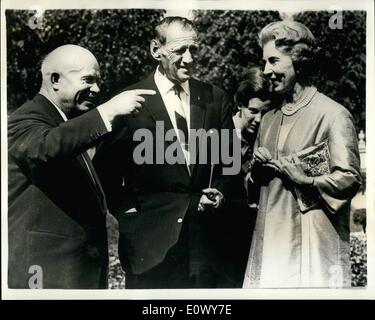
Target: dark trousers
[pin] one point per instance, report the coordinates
(235, 228)
(190, 263)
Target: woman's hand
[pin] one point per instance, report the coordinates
(264, 157)
(292, 168)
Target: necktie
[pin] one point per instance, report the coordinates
(181, 122)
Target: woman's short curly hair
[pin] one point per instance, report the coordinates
(296, 40)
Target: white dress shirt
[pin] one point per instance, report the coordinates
(173, 103)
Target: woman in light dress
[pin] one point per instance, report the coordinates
(296, 243)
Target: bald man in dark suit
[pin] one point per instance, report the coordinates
(56, 206)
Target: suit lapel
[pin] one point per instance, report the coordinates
(49, 109)
(197, 106)
(156, 108)
(197, 114)
(83, 159)
(94, 179)
(154, 105)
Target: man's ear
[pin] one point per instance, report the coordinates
(154, 49)
(55, 77)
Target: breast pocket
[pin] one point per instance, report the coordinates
(130, 213)
(129, 220)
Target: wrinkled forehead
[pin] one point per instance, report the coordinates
(177, 36)
(89, 67)
(181, 42)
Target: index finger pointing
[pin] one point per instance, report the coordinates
(145, 92)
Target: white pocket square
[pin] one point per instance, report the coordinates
(131, 210)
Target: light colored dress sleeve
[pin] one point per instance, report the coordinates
(338, 187)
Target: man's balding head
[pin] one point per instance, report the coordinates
(70, 75)
(67, 58)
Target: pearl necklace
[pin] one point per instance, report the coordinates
(291, 108)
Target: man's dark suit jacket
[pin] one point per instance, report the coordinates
(162, 193)
(56, 209)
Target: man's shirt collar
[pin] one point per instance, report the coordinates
(165, 85)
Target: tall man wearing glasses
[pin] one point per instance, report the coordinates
(165, 210)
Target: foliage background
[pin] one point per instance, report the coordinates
(230, 45)
(120, 39)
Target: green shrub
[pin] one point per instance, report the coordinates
(358, 259)
(120, 39)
